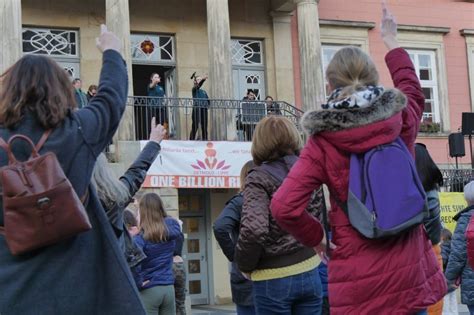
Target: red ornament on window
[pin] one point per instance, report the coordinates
(147, 46)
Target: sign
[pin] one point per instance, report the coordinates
(450, 205)
(198, 164)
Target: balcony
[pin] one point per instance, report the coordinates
(228, 120)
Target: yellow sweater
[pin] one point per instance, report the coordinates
(275, 273)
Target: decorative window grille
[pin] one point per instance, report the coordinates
(425, 66)
(52, 42)
(246, 52)
(152, 48)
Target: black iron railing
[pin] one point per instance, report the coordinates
(454, 180)
(186, 118)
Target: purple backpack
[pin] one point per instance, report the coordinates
(385, 195)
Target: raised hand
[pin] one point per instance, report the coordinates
(389, 28)
(157, 132)
(107, 40)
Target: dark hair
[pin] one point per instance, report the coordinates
(92, 87)
(129, 218)
(251, 91)
(35, 84)
(268, 96)
(76, 80)
(430, 175)
(153, 74)
(446, 235)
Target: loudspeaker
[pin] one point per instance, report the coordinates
(468, 124)
(456, 144)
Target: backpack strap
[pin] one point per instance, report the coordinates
(43, 139)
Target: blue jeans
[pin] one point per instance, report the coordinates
(471, 309)
(245, 310)
(299, 295)
(425, 312)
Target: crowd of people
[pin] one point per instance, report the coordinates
(292, 233)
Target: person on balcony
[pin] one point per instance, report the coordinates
(91, 92)
(156, 106)
(200, 107)
(81, 97)
(272, 107)
(246, 120)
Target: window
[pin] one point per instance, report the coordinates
(246, 52)
(248, 69)
(425, 66)
(152, 48)
(327, 52)
(60, 44)
(52, 42)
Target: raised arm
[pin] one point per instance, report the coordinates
(290, 201)
(100, 119)
(134, 177)
(404, 78)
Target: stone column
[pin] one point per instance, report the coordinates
(312, 80)
(283, 56)
(220, 69)
(11, 33)
(117, 18)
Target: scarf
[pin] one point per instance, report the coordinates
(362, 98)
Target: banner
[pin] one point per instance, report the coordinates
(198, 164)
(450, 205)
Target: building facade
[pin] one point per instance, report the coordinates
(273, 47)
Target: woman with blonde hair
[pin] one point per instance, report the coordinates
(283, 271)
(226, 230)
(157, 239)
(392, 275)
(116, 193)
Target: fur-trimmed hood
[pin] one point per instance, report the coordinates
(388, 104)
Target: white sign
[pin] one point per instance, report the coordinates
(198, 164)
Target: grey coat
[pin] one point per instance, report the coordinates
(86, 274)
(133, 179)
(457, 263)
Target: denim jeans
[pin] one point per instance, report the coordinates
(245, 310)
(299, 295)
(471, 309)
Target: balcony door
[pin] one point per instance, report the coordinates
(248, 67)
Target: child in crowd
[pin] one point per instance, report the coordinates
(157, 239)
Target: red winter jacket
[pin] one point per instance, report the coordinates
(399, 275)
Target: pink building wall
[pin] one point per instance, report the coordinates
(454, 14)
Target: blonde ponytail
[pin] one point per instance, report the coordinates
(351, 69)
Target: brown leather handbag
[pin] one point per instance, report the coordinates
(40, 207)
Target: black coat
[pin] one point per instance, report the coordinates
(458, 265)
(432, 223)
(86, 274)
(226, 231)
(133, 179)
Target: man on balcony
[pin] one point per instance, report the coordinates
(200, 106)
